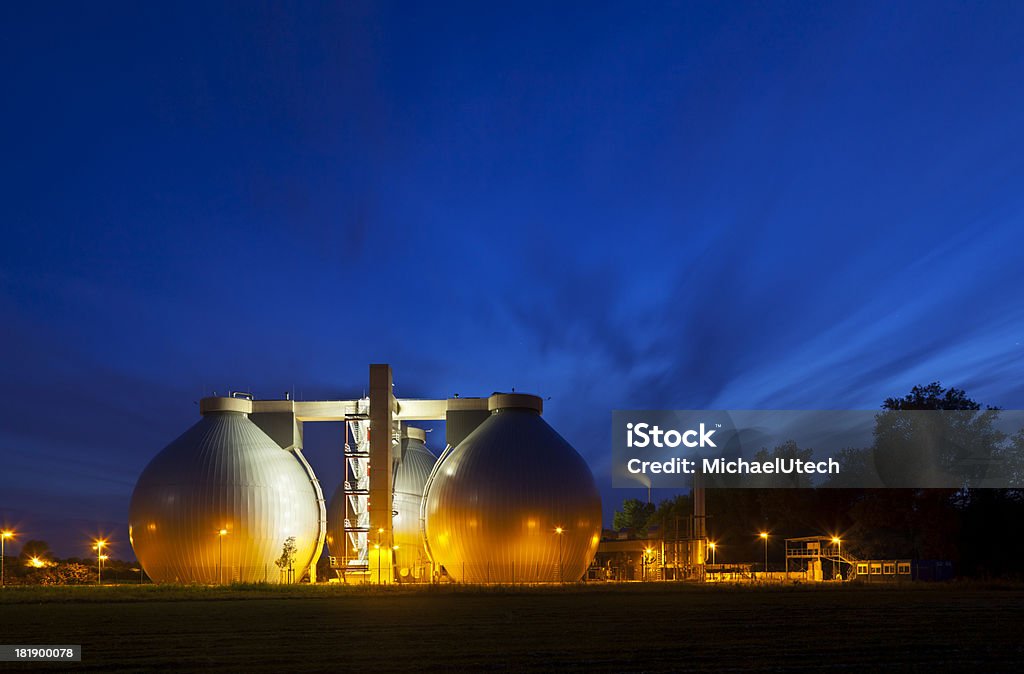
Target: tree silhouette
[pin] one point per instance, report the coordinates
(34, 548)
(914, 446)
(933, 397)
(287, 558)
(635, 515)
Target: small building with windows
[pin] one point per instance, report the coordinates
(894, 570)
(819, 558)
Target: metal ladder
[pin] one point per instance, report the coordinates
(356, 486)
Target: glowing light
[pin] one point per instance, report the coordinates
(559, 530)
(764, 534)
(104, 557)
(222, 532)
(835, 539)
(711, 545)
(36, 562)
(7, 533)
(99, 543)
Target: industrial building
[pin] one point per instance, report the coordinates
(234, 499)
(508, 500)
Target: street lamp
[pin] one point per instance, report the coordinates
(711, 546)
(764, 535)
(98, 546)
(646, 560)
(559, 531)
(220, 560)
(4, 535)
(839, 553)
(380, 531)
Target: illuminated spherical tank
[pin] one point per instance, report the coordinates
(414, 464)
(410, 479)
(218, 504)
(513, 502)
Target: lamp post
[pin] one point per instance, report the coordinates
(380, 530)
(558, 531)
(764, 535)
(839, 544)
(99, 560)
(711, 545)
(647, 560)
(4, 535)
(220, 556)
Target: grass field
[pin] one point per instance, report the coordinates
(617, 627)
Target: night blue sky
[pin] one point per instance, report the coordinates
(715, 205)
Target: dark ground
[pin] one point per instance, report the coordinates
(620, 628)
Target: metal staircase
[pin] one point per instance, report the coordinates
(851, 561)
(835, 554)
(357, 491)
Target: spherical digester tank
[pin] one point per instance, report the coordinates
(514, 502)
(410, 478)
(219, 503)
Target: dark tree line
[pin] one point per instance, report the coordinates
(36, 564)
(977, 529)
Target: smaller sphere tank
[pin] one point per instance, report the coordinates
(410, 478)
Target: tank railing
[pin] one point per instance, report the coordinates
(321, 509)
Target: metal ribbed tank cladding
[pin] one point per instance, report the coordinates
(224, 473)
(410, 479)
(494, 505)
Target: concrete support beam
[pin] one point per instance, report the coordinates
(382, 417)
(422, 410)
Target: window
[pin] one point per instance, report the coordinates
(876, 568)
(889, 569)
(862, 569)
(904, 568)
